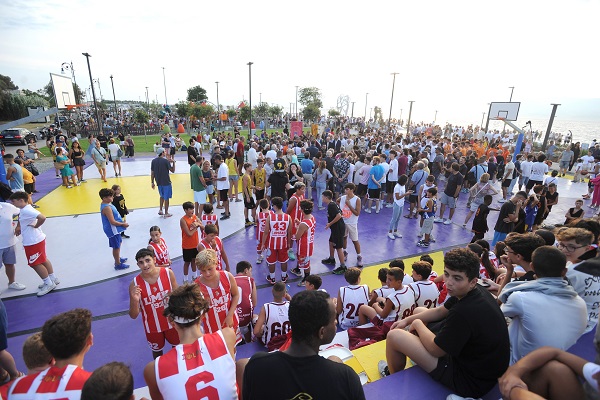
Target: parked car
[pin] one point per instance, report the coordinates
(16, 136)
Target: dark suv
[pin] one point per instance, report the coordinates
(16, 136)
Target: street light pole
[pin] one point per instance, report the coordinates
(67, 65)
(115, 100)
(260, 98)
(392, 100)
(400, 114)
(482, 117)
(512, 89)
(296, 103)
(97, 80)
(366, 102)
(250, 98)
(409, 115)
(147, 101)
(165, 85)
(352, 115)
(218, 104)
(435, 118)
(98, 122)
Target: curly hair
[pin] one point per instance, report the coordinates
(65, 335)
(309, 311)
(186, 302)
(462, 260)
(524, 244)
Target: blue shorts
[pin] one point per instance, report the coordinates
(165, 192)
(115, 241)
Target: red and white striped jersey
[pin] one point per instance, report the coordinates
(277, 321)
(152, 301)
(296, 213)
(352, 296)
(200, 370)
(53, 383)
(161, 252)
(219, 299)
(208, 219)
(426, 293)
(245, 306)
(404, 304)
(278, 236)
(261, 219)
(217, 246)
(306, 243)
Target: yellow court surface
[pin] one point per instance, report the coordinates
(137, 191)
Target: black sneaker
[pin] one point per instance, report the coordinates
(340, 270)
(270, 280)
(284, 278)
(124, 235)
(296, 271)
(383, 369)
(328, 260)
(225, 217)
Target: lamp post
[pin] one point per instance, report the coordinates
(296, 103)
(435, 118)
(260, 98)
(352, 114)
(409, 115)
(97, 80)
(218, 104)
(65, 66)
(512, 89)
(482, 118)
(165, 85)
(400, 114)
(98, 122)
(366, 102)
(392, 100)
(250, 98)
(147, 100)
(114, 97)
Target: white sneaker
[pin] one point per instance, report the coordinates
(55, 280)
(438, 220)
(397, 234)
(46, 289)
(391, 236)
(501, 201)
(373, 207)
(447, 222)
(389, 205)
(17, 286)
(368, 211)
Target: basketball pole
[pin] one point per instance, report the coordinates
(487, 122)
(554, 107)
(519, 143)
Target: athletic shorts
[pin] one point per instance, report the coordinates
(413, 198)
(156, 340)
(445, 374)
(115, 241)
(200, 197)
(223, 196)
(374, 194)
(36, 253)
(506, 182)
(249, 204)
(259, 194)
(337, 241)
(352, 232)
(210, 189)
(361, 190)
(389, 186)
(447, 200)
(303, 262)
(189, 255)
(427, 226)
(28, 188)
(8, 256)
(165, 192)
(277, 255)
(172, 151)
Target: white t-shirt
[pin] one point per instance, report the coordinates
(8, 222)
(28, 219)
(393, 175)
(538, 170)
(113, 148)
(223, 172)
(526, 168)
(400, 189)
(386, 168)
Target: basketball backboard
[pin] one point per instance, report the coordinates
(63, 90)
(506, 111)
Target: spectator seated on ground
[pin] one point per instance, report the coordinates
(351, 298)
(384, 290)
(546, 311)
(425, 290)
(517, 260)
(471, 350)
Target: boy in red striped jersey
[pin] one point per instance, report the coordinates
(277, 240)
(248, 298)
(305, 237)
(261, 219)
(147, 294)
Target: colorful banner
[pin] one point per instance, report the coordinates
(295, 129)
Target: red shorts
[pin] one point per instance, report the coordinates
(303, 262)
(36, 253)
(156, 340)
(275, 255)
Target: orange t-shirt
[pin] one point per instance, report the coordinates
(189, 242)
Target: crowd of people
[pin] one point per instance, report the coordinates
(462, 339)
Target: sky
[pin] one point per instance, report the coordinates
(453, 57)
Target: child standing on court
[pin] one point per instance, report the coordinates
(189, 225)
(427, 209)
(480, 226)
(261, 219)
(247, 188)
(119, 203)
(113, 225)
(158, 245)
(208, 218)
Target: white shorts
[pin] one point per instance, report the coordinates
(200, 197)
(352, 232)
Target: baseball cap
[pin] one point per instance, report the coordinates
(159, 151)
(279, 165)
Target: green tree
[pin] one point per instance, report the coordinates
(183, 109)
(333, 112)
(275, 111)
(6, 84)
(141, 116)
(311, 112)
(244, 113)
(261, 110)
(201, 111)
(310, 95)
(231, 112)
(196, 93)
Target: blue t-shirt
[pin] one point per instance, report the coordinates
(307, 166)
(377, 173)
(109, 229)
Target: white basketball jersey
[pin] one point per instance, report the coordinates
(426, 293)
(404, 304)
(277, 321)
(352, 296)
(383, 291)
(200, 370)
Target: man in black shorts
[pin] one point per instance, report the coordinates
(336, 224)
(471, 350)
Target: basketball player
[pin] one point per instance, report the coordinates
(273, 318)
(293, 210)
(261, 220)
(350, 298)
(147, 294)
(305, 236)
(426, 291)
(66, 377)
(214, 242)
(278, 233)
(248, 298)
(202, 366)
(221, 290)
(208, 217)
(381, 293)
(189, 225)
